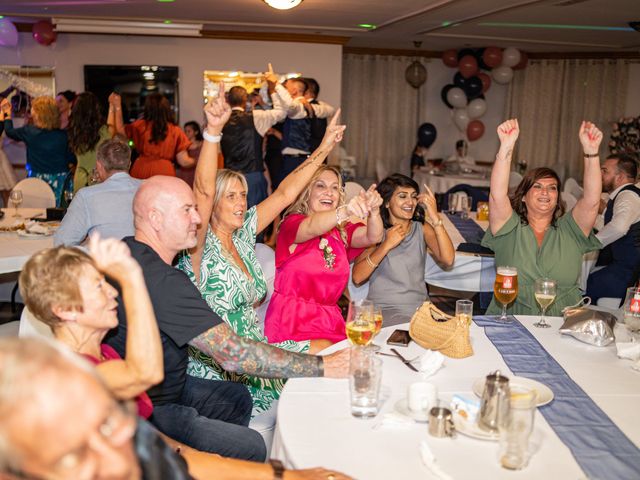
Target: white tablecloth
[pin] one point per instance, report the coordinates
(14, 249)
(442, 183)
(315, 426)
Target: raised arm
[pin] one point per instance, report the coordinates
(12, 133)
(433, 231)
(499, 204)
(586, 210)
(295, 182)
(243, 355)
(142, 366)
(114, 119)
(217, 112)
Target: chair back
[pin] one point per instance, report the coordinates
(569, 200)
(30, 326)
(267, 260)
(351, 189)
(571, 186)
(36, 193)
(514, 180)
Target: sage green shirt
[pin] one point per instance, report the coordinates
(87, 161)
(559, 257)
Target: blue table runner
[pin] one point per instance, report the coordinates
(470, 230)
(601, 449)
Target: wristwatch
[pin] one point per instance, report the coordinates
(278, 468)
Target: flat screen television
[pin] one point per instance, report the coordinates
(133, 83)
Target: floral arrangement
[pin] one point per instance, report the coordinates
(327, 253)
(625, 136)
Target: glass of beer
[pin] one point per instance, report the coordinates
(505, 288)
(360, 325)
(545, 295)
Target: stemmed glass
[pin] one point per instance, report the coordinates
(16, 198)
(545, 293)
(505, 288)
(360, 325)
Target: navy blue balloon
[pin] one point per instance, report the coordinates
(464, 52)
(479, 52)
(473, 87)
(443, 94)
(459, 80)
(427, 134)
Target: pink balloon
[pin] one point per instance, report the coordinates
(468, 66)
(8, 33)
(475, 130)
(43, 32)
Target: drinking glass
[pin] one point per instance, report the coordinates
(360, 324)
(68, 196)
(377, 319)
(94, 178)
(16, 198)
(464, 310)
(465, 206)
(505, 288)
(453, 200)
(516, 429)
(545, 295)
(631, 309)
(365, 375)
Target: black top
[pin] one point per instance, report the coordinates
(182, 315)
(158, 461)
(241, 143)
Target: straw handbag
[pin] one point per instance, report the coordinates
(433, 329)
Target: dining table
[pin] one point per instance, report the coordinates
(441, 182)
(16, 248)
(590, 428)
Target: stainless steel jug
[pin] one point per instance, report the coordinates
(494, 408)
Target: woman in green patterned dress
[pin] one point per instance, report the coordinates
(224, 266)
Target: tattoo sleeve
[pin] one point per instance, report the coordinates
(242, 355)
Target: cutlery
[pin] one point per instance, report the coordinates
(394, 356)
(404, 360)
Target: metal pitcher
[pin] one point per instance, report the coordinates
(494, 408)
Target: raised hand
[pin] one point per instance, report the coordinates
(112, 257)
(269, 76)
(590, 137)
(358, 207)
(5, 106)
(217, 111)
(394, 236)
(115, 100)
(334, 132)
(374, 200)
(428, 201)
(508, 133)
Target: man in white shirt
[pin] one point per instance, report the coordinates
(618, 230)
(460, 160)
(105, 207)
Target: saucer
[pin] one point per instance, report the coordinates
(403, 409)
(471, 429)
(545, 395)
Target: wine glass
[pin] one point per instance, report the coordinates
(360, 324)
(377, 319)
(68, 196)
(545, 295)
(465, 206)
(505, 288)
(16, 198)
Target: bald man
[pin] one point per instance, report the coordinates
(205, 414)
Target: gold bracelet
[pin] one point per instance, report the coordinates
(370, 262)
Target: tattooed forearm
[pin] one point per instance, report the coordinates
(312, 160)
(242, 355)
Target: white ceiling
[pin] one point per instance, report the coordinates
(439, 24)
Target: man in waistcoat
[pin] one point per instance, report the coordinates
(619, 230)
(317, 125)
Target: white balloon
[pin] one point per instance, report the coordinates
(457, 97)
(502, 75)
(510, 57)
(8, 33)
(477, 108)
(461, 119)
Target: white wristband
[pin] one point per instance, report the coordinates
(211, 138)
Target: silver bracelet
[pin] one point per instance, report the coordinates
(211, 138)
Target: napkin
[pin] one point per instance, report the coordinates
(429, 461)
(430, 363)
(394, 420)
(625, 343)
(35, 227)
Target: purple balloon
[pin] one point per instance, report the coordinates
(8, 33)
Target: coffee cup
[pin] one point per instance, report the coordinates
(421, 396)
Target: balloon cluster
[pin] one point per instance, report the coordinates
(466, 94)
(42, 32)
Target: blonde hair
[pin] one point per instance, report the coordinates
(47, 115)
(301, 204)
(50, 278)
(224, 178)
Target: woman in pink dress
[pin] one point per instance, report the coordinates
(315, 244)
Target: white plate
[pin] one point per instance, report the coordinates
(403, 409)
(545, 395)
(24, 233)
(473, 430)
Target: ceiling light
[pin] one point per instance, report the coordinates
(367, 25)
(79, 25)
(283, 4)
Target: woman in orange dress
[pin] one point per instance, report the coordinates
(158, 140)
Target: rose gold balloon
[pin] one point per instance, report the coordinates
(475, 130)
(492, 57)
(468, 66)
(450, 58)
(43, 32)
(486, 81)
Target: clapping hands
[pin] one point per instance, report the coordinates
(217, 111)
(590, 138)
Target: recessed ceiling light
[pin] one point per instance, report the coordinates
(167, 22)
(165, 1)
(370, 26)
(283, 4)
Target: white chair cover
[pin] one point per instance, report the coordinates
(30, 326)
(36, 193)
(571, 186)
(267, 259)
(569, 200)
(514, 180)
(351, 189)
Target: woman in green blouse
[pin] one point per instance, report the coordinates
(532, 231)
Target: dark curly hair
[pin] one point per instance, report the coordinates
(527, 182)
(196, 128)
(158, 112)
(386, 189)
(85, 122)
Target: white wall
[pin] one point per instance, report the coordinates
(71, 52)
(485, 148)
(633, 93)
